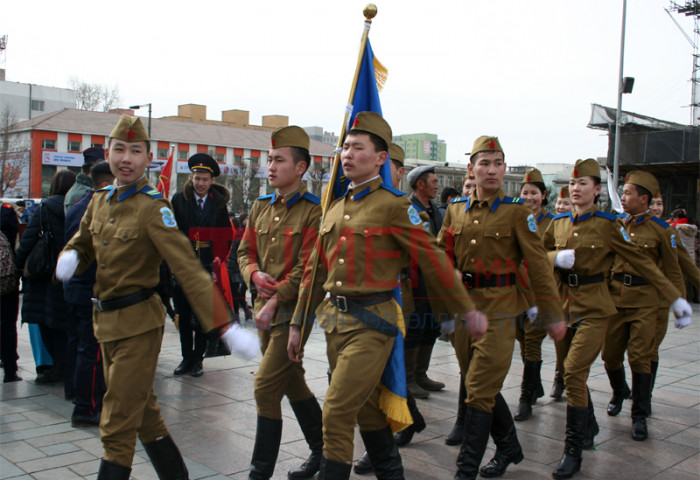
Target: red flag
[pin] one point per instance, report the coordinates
(165, 175)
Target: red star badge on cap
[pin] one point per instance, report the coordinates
(492, 144)
(627, 179)
(354, 124)
(272, 142)
(527, 179)
(130, 134)
(575, 173)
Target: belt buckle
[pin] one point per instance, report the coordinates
(97, 303)
(627, 279)
(572, 279)
(341, 303)
(468, 278)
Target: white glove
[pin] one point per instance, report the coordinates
(565, 259)
(683, 322)
(681, 308)
(241, 342)
(66, 265)
(532, 313)
(447, 327)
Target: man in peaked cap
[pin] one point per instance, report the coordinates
(201, 206)
(489, 229)
(361, 317)
(271, 257)
(128, 229)
(83, 182)
(633, 327)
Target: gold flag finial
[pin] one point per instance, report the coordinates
(370, 11)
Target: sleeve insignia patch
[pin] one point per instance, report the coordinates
(168, 217)
(413, 216)
(625, 235)
(532, 223)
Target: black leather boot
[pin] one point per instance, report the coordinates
(384, 454)
(405, 436)
(570, 463)
(268, 436)
(527, 390)
(641, 402)
(477, 425)
(421, 372)
(592, 428)
(654, 368)
(332, 470)
(364, 465)
(506, 439)
(166, 459)
(558, 386)
(455, 436)
(309, 414)
(621, 390)
(113, 471)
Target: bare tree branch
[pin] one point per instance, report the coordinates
(93, 96)
(11, 163)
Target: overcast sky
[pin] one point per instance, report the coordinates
(526, 71)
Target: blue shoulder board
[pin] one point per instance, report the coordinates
(312, 198)
(266, 197)
(512, 200)
(549, 215)
(561, 215)
(151, 192)
(608, 216)
(621, 215)
(393, 190)
(106, 189)
(459, 200)
(660, 222)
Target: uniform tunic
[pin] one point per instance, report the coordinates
(129, 231)
(279, 227)
(596, 238)
(634, 326)
(493, 237)
(366, 238)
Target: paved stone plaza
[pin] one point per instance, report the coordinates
(212, 419)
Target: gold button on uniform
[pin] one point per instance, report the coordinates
(575, 234)
(272, 239)
(338, 283)
(106, 242)
(347, 217)
(277, 219)
(352, 197)
(473, 241)
(476, 222)
(342, 239)
(111, 220)
(341, 261)
(631, 234)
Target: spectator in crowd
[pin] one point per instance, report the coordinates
(9, 296)
(83, 182)
(448, 194)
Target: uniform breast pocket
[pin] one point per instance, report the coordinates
(497, 233)
(650, 243)
(96, 226)
(126, 234)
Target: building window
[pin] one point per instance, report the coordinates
(97, 145)
(182, 154)
(219, 157)
(48, 144)
(238, 159)
(38, 105)
(162, 153)
(73, 146)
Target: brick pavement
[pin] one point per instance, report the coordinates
(212, 419)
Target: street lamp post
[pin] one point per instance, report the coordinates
(150, 109)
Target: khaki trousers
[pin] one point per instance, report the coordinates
(660, 332)
(631, 329)
(585, 346)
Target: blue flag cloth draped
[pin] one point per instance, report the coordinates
(392, 399)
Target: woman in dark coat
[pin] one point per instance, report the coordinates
(43, 301)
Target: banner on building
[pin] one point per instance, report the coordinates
(62, 159)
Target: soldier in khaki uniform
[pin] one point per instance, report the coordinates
(583, 245)
(270, 257)
(128, 229)
(633, 327)
(491, 235)
(366, 238)
(529, 330)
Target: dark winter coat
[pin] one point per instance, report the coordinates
(43, 301)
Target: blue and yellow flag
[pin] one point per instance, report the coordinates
(392, 399)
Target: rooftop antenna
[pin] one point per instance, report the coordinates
(691, 8)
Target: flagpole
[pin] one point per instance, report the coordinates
(370, 11)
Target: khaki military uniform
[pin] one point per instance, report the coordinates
(366, 238)
(279, 228)
(129, 231)
(530, 335)
(634, 326)
(492, 238)
(596, 238)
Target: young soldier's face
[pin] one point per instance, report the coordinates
(489, 168)
(468, 187)
(583, 191)
(563, 205)
(532, 196)
(632, 202)
(201, 182)
(657, 206)
(282, 172)
(360, 160)
(127, 161)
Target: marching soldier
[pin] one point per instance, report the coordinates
(491, 235)
(271, 257)
(375, 226)
(633, 327)
(200, 207)
(128, 229)
(583, 245)
(529, 331)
